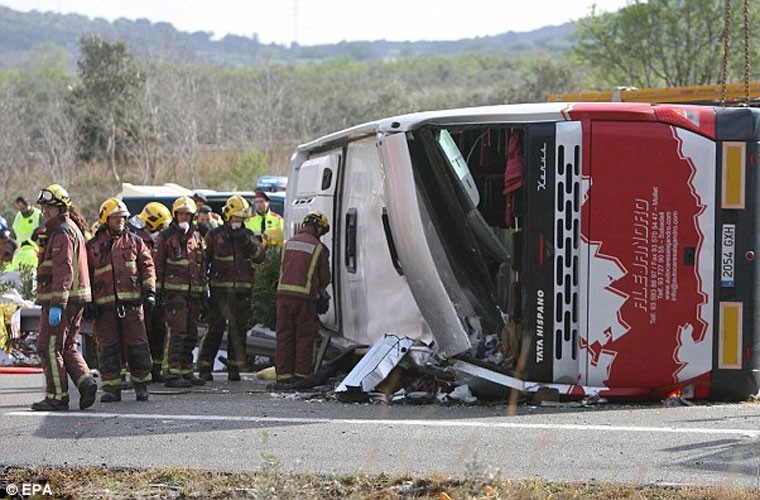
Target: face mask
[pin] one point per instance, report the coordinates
(154, 236)
(236, 225)
(184, 226)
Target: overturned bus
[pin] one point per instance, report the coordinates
(603, 248)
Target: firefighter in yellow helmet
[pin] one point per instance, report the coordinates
(148, 224)
(231, 252)
(304, 276)
(181, 282)
(124, 278)
(63, 288)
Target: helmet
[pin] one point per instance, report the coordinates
(317, 219)
(274, 236)
(54, 195)
(155, 216)
(184, 204)
(112, 207)
(236, 206)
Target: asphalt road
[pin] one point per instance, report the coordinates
(237, 426)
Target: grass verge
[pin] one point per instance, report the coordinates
(272, 482)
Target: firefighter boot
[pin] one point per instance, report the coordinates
(110, 395)
(205, 375)
(193, 379)
(177, 382)
(141, 391)
(87, 393)
(233, 374)
(48, 404)
(156, 375)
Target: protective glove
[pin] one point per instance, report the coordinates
(54, 315)
(149, 301)
(323, 302)
(90, 310)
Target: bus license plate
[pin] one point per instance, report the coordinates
(727, 256)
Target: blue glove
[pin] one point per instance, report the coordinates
(54, 315)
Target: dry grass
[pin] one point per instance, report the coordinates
(271, 482)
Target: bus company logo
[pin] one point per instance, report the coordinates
(539, 326)
(541, 186)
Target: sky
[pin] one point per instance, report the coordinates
(314, 22)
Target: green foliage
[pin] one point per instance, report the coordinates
(248, 168)
(265, 288)
(111, 83)
(661, 43)
(28, 276)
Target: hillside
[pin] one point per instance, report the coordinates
(20, 32)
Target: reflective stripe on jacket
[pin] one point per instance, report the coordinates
(62, 273)
(180, 262)
(121, 268)
(305, 267)
(231, 255)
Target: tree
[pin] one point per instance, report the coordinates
(659, 43)
(111, 83)
(14, 142)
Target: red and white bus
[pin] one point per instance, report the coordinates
(614, 242)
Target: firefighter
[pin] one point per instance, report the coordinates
(63, 287)
(231, 251)
(304, 276)
(123, 277)
(181, 275)
(264, 218)
(153, 218)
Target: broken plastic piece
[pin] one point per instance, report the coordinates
(375, 366)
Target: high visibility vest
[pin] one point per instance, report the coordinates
(268, 220)
(23, 227)
(26, 256)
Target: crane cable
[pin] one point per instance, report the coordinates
(746, 52)
(726, 46)
(724, 62)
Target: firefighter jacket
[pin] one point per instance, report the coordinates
(121, 268)
(260, 223)
(142, 233)
(231, 254)
(180, 262)
(62, 273)
(305, 267)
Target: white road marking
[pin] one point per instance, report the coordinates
(394, 423)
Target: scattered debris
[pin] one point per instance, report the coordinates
(373, 368)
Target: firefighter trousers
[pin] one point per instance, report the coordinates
(57, 348)
(120, 335)
(229, 310)
(181, 313)
(297, 330)
(155, 327)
